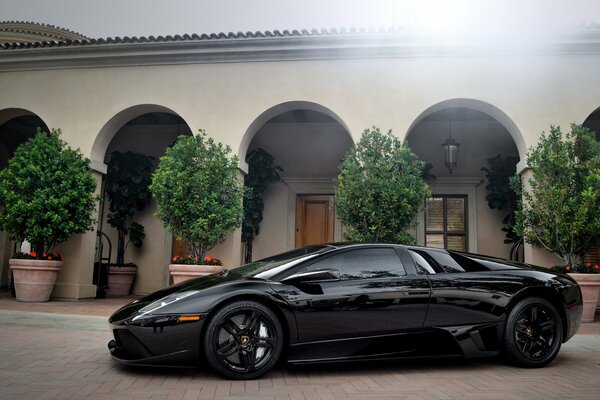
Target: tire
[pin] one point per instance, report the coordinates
(533, 333)
(243, 340)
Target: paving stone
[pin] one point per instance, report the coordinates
(57, 350)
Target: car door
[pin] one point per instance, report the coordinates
(364, 292)
(463, 291)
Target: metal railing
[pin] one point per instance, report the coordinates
(101, 263)
(516, 251)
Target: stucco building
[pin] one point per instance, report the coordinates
(305, 97)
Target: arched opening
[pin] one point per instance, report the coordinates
(16, 127)
(458, 216)
(592, 122)
(308, 142)
(147, 130)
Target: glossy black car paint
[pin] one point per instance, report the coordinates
(418, 314)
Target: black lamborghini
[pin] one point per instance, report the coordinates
(340, 302)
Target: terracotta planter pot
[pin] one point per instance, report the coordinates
(120, 279)
(184, 272)
(590, 287)
(34, 279)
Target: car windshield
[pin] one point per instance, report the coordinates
(268, 267)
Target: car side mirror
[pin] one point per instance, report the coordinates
(323, 275)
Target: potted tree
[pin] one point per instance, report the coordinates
(560, 211)
(126, 186)
(199, 199)
(46, 196)
(261, 174)
(380, 188)
(501, 195)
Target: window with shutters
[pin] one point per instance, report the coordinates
(446, 222)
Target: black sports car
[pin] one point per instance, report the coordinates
(352, 302)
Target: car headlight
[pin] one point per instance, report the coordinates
(158, 304)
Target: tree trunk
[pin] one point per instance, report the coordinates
(248, 256)
(120, 248)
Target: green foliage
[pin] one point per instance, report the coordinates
(46, 192)
(198, 192)
(380, 189)
(126, 186)
(561, 208)
(261, 174)
(501, 195)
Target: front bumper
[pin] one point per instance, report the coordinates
(160, 340)
(574, 316)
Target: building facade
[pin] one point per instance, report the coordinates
(305, 97)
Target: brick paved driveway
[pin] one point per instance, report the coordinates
(58, 356)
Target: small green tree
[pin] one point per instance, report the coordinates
(261, 174)
(561, 203)
(46, 192)
(198, 193)
(380, 189)
(126, 186)
(501, 194)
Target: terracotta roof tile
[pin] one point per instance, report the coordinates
(219, 36)
(52, 32)
(197, 37)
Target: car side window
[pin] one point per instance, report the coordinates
(445, 261)
(440, 261)
(424, 262)
(363, 264)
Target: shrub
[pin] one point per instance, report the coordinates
(561, 208)
(380, 189)
(46, 193)
(198, 192)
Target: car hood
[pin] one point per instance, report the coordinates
(195, 285)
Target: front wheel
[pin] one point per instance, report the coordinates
(533, 333)
(243, 340)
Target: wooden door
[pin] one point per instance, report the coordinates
(314, 219)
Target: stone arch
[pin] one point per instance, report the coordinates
(483, 132)
(307, 140)
(110, 129)
(9, 113)
(279, 109)
(481, 106)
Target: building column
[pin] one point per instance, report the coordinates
(75, 278)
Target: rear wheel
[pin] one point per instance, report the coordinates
(533, 334)
(243, 340)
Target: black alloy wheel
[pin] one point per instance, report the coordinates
(533, 333)
(243, 340)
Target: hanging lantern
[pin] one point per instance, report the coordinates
(451, 150)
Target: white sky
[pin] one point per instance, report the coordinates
(104, 18)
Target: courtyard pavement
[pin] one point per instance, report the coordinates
(57, 350)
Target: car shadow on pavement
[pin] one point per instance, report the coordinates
(329, 368)
(371, 368)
